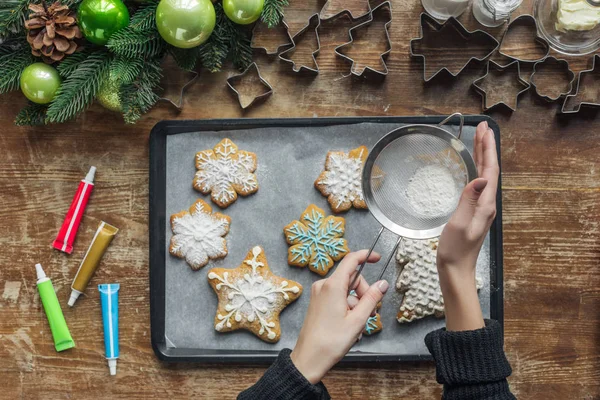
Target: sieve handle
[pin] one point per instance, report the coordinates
(460, 126)
(387, 263)
(360, 268)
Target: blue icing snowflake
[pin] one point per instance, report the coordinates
(316, 241)
(371, 325)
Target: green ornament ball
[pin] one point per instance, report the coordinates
(99, 19)
(40, 82)
(185, 23)
(108, 95)
(243, 12)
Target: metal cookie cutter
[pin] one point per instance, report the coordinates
(429, 25)
(552, 62)
(179, 104)
(368, 72)
(258, 28)
(501, 69)
(316, 21)
(525, 20)
(594, 70)
(233, 80)
(345, 11)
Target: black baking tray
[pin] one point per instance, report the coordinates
(157, 199)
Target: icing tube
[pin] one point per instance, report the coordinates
(56, 319)
(109, 298)
(104, 235)
(66, 235)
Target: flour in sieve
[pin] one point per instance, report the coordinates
(432, 191)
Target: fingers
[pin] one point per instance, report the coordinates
(352, 301)
(478, 145)
(361, 285)
(467, 204)
(347, 267)
(368, 302)
(490, 168)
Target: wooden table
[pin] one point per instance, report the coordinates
(551, 194)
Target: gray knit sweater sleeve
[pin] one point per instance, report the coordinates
(471, 364)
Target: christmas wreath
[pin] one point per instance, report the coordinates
(66, 53)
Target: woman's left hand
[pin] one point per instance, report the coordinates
(335, 320)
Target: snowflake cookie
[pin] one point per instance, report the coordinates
(341, 180)
(225, 172)
(316, 241)
(198, 235)
(251, 297)
(419, 280)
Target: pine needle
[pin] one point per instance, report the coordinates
(12, 16)
(272, 13)
(126, 70)
(78, 90)
(139, 96)
(145, 17)
(240, 50)
(70, 63)
(130, 43)
(11, 67)
(32, 114)
(213, 52)
(186, 59)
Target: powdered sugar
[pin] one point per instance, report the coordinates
(432, 191)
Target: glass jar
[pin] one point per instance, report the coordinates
(444, 9)
(492, 13)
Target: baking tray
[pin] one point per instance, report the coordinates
(182, 304)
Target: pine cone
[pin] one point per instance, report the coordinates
(52, 31)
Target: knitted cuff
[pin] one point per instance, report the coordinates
(283, 381)
(469, 357)
(490, 391)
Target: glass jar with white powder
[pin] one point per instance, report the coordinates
(492, 13)
(444, 9)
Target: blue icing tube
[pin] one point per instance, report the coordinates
(109, 298)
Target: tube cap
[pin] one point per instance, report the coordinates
(74, 296)
(39, 271)
(91, 174)
(112, 366)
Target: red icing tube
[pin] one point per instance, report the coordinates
(68, 230)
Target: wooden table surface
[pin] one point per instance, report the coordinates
(551, 195)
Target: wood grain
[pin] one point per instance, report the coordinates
(551, 210)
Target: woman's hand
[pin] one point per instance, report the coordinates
(464, 234)
(335, 320)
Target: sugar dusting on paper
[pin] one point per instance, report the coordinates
(432, 191)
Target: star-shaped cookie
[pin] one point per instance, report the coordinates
(251, 297)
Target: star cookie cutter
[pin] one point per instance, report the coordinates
(500, 69)
(453, 24)
(594, 70)
(252, 68)
(313, 20)
(179, 104)
(368, 72)
(345, 11)
(525, 20)
(257, 28)
(552, 62)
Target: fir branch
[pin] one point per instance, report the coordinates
(139, 96)
(32, 114)
(70, 63)
(240, 50)
(130, 43)
(145, 17)
(272, 13)
(12, 16)
(214, 51)
(79, 89)
(186, 59)
(11, 66)
(125, 69)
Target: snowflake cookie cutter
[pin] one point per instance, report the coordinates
(552, 62)
(344, 11)
(368, 72)
(500, 69)
(428, 22)
(525, 20)
(252, 68)
(594, 70)
(284, 56)
(254, 45)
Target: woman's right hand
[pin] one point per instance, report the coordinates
(464, 234)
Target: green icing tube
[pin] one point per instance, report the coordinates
(56, 319)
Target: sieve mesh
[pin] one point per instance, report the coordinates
(397, 164)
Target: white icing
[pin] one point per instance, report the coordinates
(198, 236)
(254, 297)
(419, 280)
(224, 171)
(342, 178)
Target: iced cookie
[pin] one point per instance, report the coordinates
(198, 235)
(316, 241)
(251, 297)
(340, 182)
(419, 280)
(373, 325)
(225, 172)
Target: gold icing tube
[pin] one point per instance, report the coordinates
(104, 235)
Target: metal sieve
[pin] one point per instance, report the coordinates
(391, 168)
